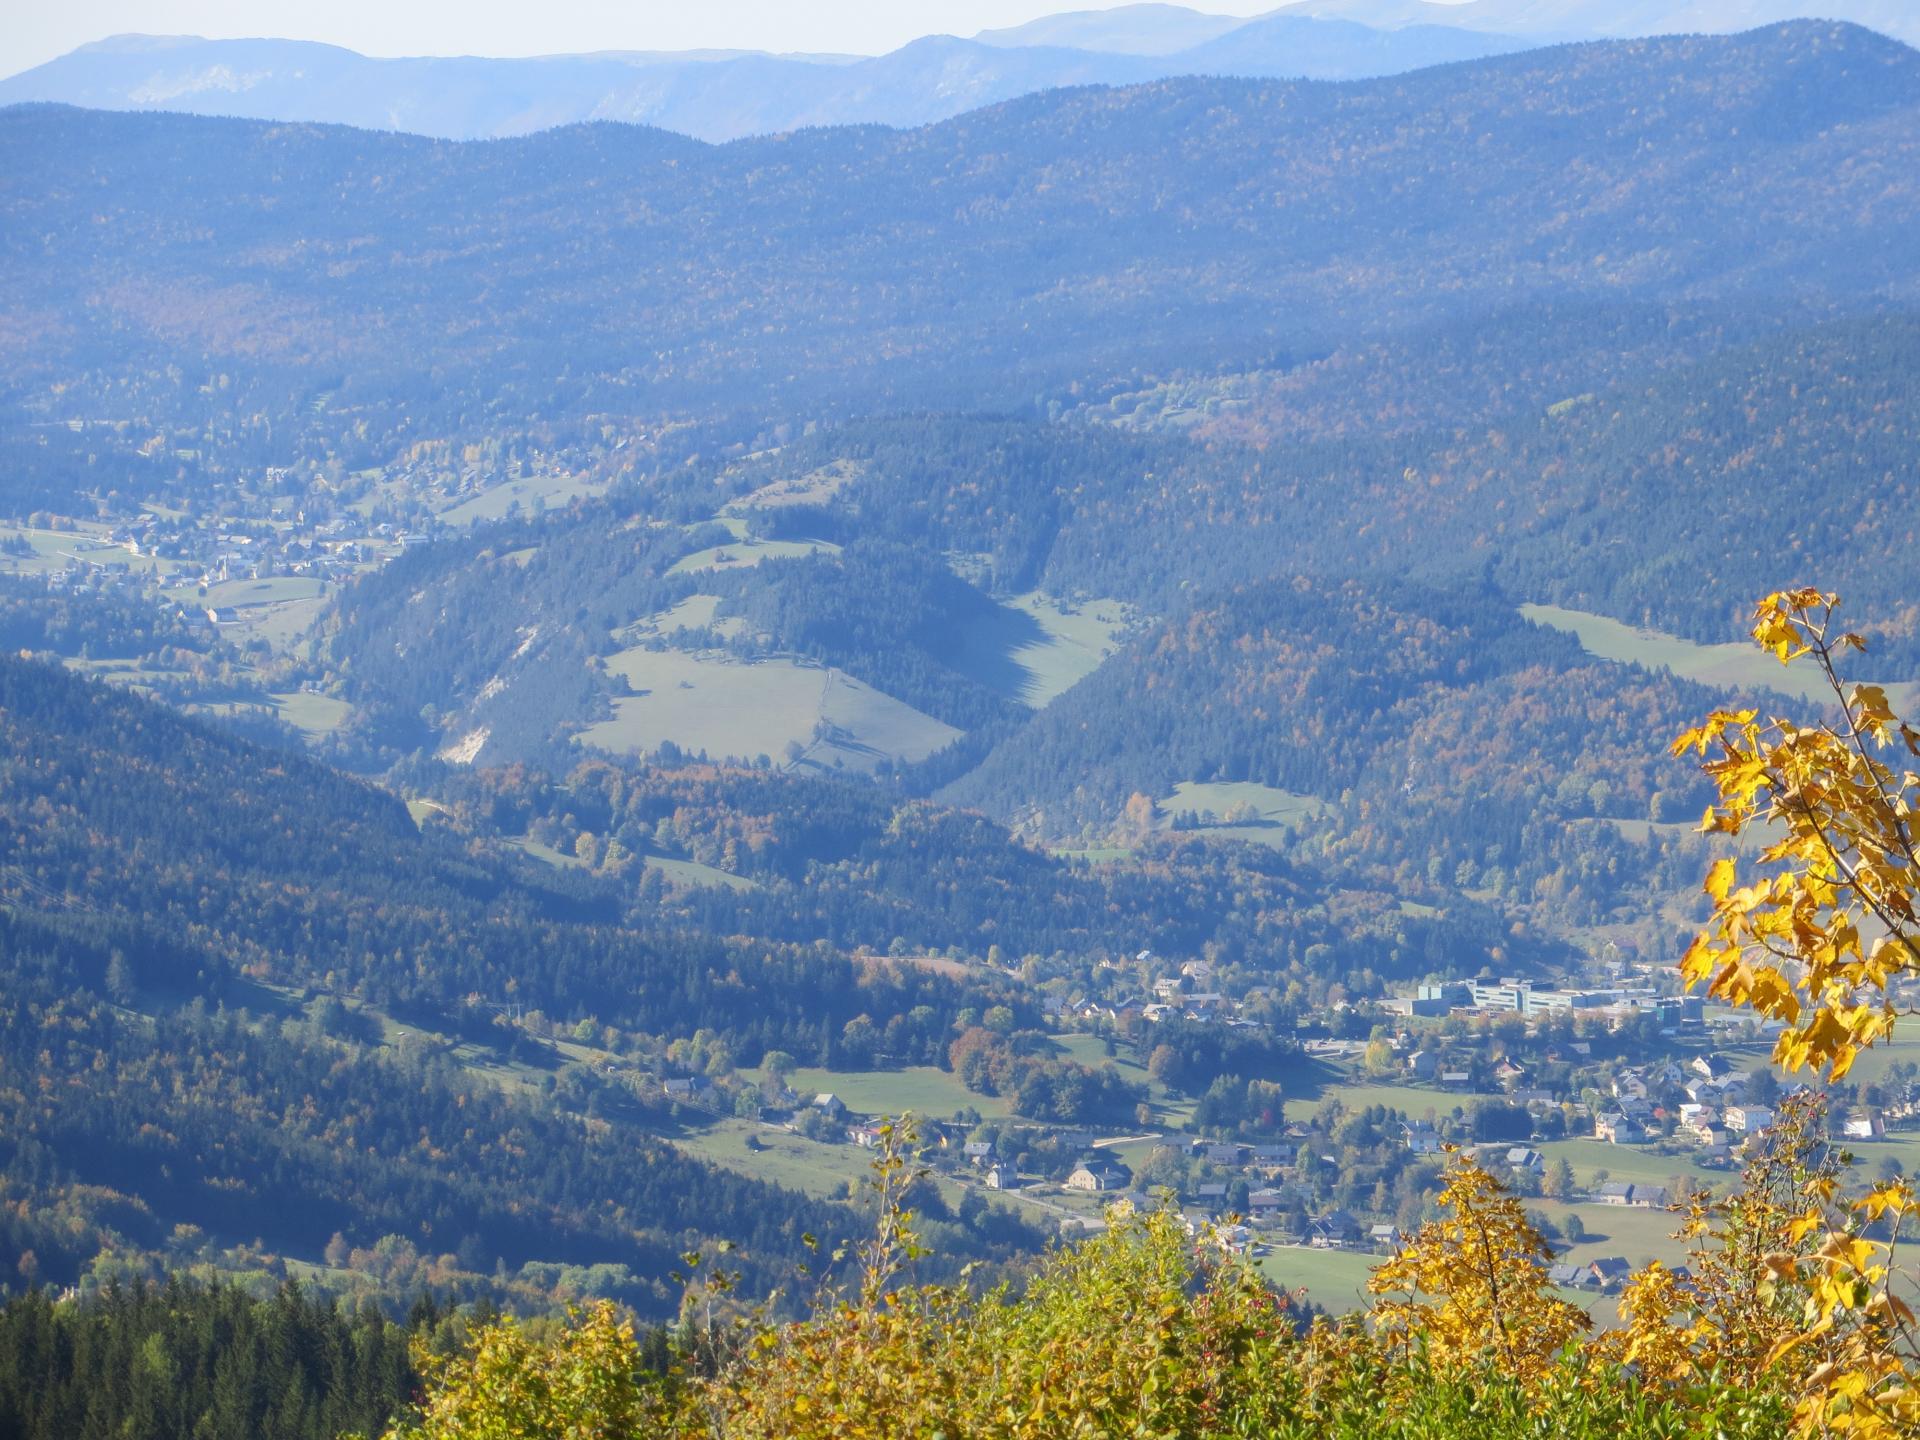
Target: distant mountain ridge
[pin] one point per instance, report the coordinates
(1614, 19)
(714, 96)
(1082, 236)
(720, 95)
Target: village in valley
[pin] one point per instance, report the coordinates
(1605, 1105)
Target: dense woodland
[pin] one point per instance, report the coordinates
(1312, 386)
(205, 1360)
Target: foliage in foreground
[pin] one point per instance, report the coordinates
(1785, 1321)
(1139, 1332)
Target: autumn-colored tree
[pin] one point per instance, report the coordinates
(1740, 1300)
(1825, 920)
(1149, 1329)
(585, 1383)
(1840, 865)
(1475, 1286)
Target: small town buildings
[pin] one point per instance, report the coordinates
(1264, 1204)
(1099, 1175)
(1422, 1138)
(1334, 1230)
(1618, 1129)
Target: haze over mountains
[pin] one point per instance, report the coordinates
(717, 98)
(842, 593)
(1080, 236)
(723, 95)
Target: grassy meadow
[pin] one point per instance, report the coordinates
(1277, 811)
(726, 706)
(1735, 666)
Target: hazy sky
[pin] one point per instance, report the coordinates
(37, 30)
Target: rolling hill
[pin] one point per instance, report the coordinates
(371, 288)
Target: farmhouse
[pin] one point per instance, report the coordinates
(1098, 1175)
(1334, 1230)
(1617, 1129)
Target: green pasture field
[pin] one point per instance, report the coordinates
(1637, 1235)
(1335, 1280)
(696, 612)
(1635, 1164)
(546, 854)
(788, 1159)
(726, 706)
(1735, 666)
(1279, 810)
(742, 554)
(1872, 1066)
(85, 544)
(1415, 1101)
(923, 1089)
(535, 492)
(1092, 1050)
(244, 594)
(814, 488)
(693, 873)
(1034, 648)
(314, 714)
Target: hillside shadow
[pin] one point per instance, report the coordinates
(981, 642)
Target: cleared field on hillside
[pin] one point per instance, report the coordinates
(696, 612)
(816, 487)
(725, 706)
(1872, 1066)
(1033, 647)
(545, 854)
(1733, 666)
(532, 494)
(923, 1089)
(1636, 1236)
(244, 594)
(314, 714)
(693, 873)
(1277, 811)
(741, 554)
(821, 1170)
(790, 1160)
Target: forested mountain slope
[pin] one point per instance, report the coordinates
(1451, 721)
(1080, 237)
(183, 915)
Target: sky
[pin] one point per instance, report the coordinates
(35, 31)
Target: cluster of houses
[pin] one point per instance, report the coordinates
(1187, 995)
(1716, 1114)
